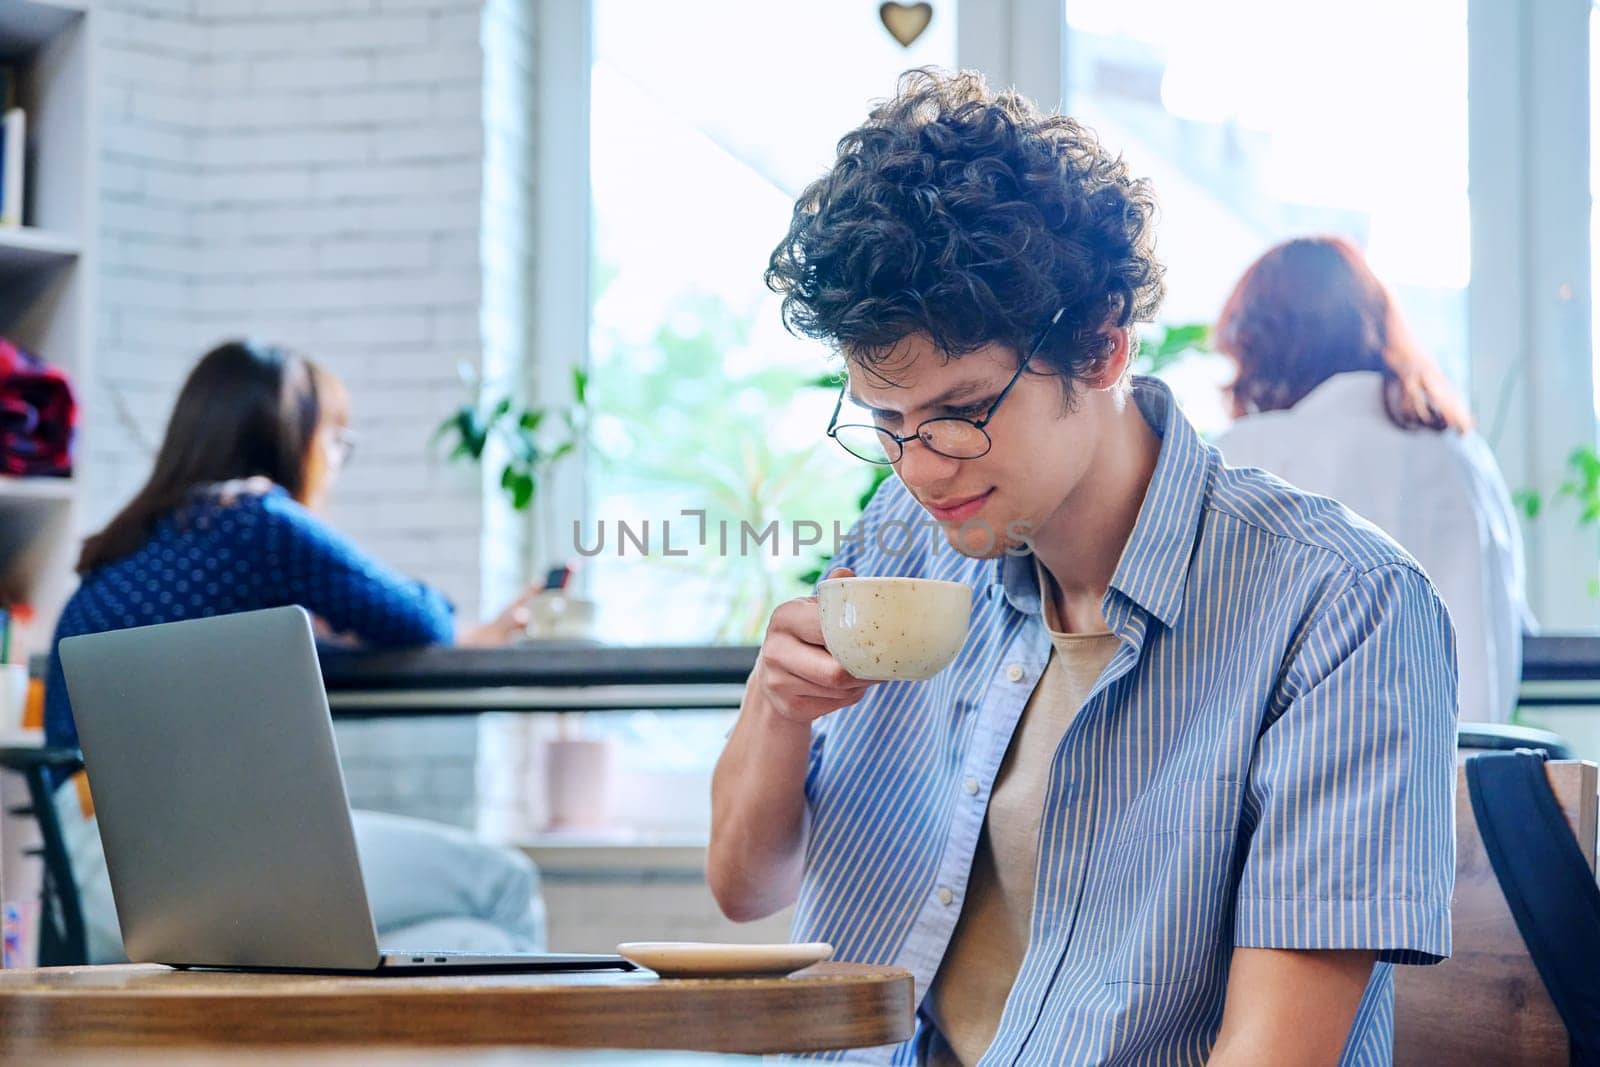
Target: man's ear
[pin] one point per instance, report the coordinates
(1113, 362)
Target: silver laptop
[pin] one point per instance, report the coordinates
(222, 806)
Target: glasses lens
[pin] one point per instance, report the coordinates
(345, 445)
(867, 442)
(956, 438)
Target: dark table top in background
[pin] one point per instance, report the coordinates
(1549, 657)
(537, 663)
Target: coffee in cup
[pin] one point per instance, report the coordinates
(885, 629)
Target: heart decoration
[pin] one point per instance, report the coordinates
(905, 22)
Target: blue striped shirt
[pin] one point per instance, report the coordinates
(1267, 761)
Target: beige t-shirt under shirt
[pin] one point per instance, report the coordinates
(986, 950)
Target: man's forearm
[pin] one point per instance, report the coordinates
(1290, 1008)
(758, 812)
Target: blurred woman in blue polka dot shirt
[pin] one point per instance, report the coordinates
(228, 522)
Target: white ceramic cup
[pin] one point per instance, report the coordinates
(887, 629)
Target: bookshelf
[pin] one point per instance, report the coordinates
(28, 249)
(46, 277)
(46, 286)
(28, 25)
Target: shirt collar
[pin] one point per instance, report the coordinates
(1154, 569)
(1351, 390)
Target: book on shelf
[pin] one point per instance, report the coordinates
(13, 154)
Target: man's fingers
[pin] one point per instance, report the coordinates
(795, 691)
(799, 618)
(812, 665)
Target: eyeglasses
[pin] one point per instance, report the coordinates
(340, 445)
(949, 435)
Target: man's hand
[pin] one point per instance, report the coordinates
(795, 674)
(1287, 1008)
(759, 819)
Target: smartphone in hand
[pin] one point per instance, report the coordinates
(558, 577)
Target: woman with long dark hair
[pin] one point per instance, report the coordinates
(1334, 395)
(227, 522)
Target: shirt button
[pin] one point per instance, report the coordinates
(971, 786)
(945, 896)
(1015, 672)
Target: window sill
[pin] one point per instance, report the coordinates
(619, 856)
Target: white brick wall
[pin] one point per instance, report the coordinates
(311, 173)
(151, 253)
(308, 172)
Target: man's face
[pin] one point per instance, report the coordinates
(1041, 449)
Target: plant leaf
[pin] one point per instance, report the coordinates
(522, 490)
(444, 427)
(473, 434)
(1181, 339)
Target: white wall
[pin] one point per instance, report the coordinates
(148, 66)
(309, 172)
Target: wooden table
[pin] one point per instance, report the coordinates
(829, 1006)
(399, 1056)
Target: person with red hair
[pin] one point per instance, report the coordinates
(1335, 396)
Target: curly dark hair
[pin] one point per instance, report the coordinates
(969, 216)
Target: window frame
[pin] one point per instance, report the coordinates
(1528, 300)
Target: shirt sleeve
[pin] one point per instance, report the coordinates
(324, 572)
(1352, 787)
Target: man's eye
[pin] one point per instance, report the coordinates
(972, 411)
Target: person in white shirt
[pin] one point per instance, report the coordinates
(1333, 395)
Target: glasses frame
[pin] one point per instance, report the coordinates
(916, 434)
(340, 446)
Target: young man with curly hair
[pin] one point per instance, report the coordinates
(1186, 793)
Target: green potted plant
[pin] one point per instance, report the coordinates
(528, 442)
(1581, 485)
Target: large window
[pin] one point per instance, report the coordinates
(705, 402)
(1255, 120)
(1259, 120)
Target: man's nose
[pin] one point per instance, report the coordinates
(921, 467)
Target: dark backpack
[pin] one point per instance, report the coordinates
(1547, 883)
